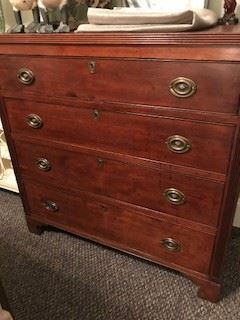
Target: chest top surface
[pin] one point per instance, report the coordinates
(220, 43)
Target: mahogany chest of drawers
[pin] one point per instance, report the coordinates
(130, 140)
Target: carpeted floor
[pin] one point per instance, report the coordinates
(57, 276)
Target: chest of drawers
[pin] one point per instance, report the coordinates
(130, 140)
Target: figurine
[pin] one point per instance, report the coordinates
(23, 5)
(62, 5)
(229, 15)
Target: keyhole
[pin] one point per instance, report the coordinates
(92, 66)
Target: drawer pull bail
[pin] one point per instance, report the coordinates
(34, 121)
(174, 196)
(50, 206)
(171, 245)
(178, 144)
(183, 87)
(43, 164)
(25, 76)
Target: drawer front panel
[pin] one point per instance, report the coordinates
(133, 81)
(122, 227)
(208, 146)
(169, 192)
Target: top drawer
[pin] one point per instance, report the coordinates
(179, 84)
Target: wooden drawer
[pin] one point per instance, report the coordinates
(207, 145)
(160, 190)
(134, 81)
(121, 227)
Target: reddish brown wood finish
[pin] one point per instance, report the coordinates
(228, 207)
(111, 132)
(35, 227)
(216, 44)
(117, 225)
(142, 185)
(125, 76)
(129, 88)
(207, 289)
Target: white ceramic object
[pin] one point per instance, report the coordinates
(169, 5)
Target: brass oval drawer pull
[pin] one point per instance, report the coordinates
(92, 66)
(25, 76)
(171, 245)
(96, 114)
(183, 87)
(34, 121)
(51, 206)
(43, 164)
(174, 196)
(178, 144)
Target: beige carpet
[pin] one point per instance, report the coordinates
(57, 276)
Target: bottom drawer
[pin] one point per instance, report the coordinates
(122, 227)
